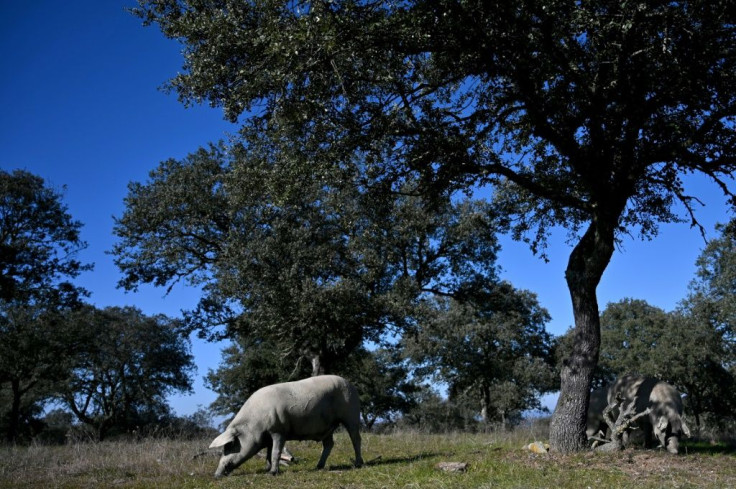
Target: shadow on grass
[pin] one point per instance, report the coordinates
(707, 448)
(378, 461)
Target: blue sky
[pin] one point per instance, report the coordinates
(80, 106)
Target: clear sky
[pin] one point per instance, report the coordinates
(80, 106)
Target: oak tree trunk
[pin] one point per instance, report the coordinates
(12, 431)
(585, 268)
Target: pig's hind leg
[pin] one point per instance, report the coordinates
(327, 443)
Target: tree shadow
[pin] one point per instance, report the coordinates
(379, 461)
(707, 448)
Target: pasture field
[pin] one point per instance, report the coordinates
(402, 460)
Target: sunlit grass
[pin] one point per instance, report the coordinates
(401, 460)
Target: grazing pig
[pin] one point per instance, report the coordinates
(308, 409)
(665, 420)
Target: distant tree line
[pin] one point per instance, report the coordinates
(398, 294)
(112, 368)
(301, 280)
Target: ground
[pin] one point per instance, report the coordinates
(399, 460)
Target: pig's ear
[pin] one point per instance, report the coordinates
(223, 439)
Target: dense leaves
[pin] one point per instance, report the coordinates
(36, 352)
(128, 363)
(38, 242)
(496, 353)
(581, 114)
(713, 291)
(316, 265)
(633, 340)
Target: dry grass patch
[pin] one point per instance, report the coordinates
(150, 463)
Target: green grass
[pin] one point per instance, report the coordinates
(405, 460)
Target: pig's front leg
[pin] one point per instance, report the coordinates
(277, 447)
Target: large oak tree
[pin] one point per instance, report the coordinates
(584, 114)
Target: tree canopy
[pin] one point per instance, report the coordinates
(126, 365)
(39, 242)
(316, 265)
(709, 311)
(632, 340)
(112, 367)
(496, 353)
(37, 347)
(580, 114)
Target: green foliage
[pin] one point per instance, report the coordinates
(36, 353)
(633, 340)
(125, 367)
(713, 291)
(316, 265)
(495, 352)
(38, 242)
(709, 312)
(701, 367)
(382, 379)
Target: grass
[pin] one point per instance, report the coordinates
(404, 460)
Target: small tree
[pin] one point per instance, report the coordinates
(709, 311)
(496, 353)
(128, 364)
(382, 379)
(632, 334)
